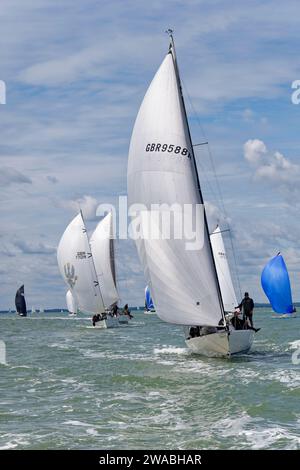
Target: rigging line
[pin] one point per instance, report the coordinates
(208, 149)
(217, 183)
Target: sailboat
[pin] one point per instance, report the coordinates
(162, 171)
(275, 282)
(71, 303)
(224, 276)
(103, 252)
(77, 268)
(149, 306)
(20, 302)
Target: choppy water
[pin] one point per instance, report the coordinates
(67, 386)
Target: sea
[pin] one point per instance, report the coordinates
(65, 385)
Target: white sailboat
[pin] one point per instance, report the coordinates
(77, 268)
(71, 304)
(103, 252)
(162, 170)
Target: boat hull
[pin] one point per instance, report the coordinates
(222, 344)
(285, 315)
(149, 312)
(109, 322)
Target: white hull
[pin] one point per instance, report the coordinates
(222, 344)
(285, 315)
(149, 312)
(109, 322)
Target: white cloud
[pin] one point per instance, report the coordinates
(254, 150)
(279, 170)
(34, 248)
(272, 167)
(87, 204)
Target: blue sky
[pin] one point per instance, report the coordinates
(76, 72)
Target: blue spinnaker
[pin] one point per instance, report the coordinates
(148, 300)
(275, 282)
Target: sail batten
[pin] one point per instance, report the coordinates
(161, 170)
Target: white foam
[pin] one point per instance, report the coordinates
(295, 344)
(257, 433)
(291, 378)
(76, 423)
(171, 350)
(92, 432)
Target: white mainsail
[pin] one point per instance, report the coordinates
(224, 276)
(71, 302)
(161, 169)
(77, 267)
(102, 246)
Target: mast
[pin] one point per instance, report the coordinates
(94, 272)
(173, 52)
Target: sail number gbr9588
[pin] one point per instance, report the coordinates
(170, 148)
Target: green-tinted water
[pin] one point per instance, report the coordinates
(66, 385)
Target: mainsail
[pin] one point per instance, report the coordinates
(20, 302)
(71, 302)
(162, 170)
(224, 276)
(275, 282)
(102, 247)
(148, 299)
(77, 267)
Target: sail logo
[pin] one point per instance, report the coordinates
(70, 275)
(3, 353)
(296, 94)
(81, 255)
(2, 92)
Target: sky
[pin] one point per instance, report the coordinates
(75, 74)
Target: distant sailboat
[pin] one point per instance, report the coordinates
(20, 302)
(162, 170)
(149, 306)
(77, 268)
(71, 303)
(103, 251)
(275, 282)
(227, 290)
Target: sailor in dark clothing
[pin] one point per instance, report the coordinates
(115, 311)
(126, 311)
(194, 332)
(237, 322)
(247, 306)
(241, 323)
(96, 318)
